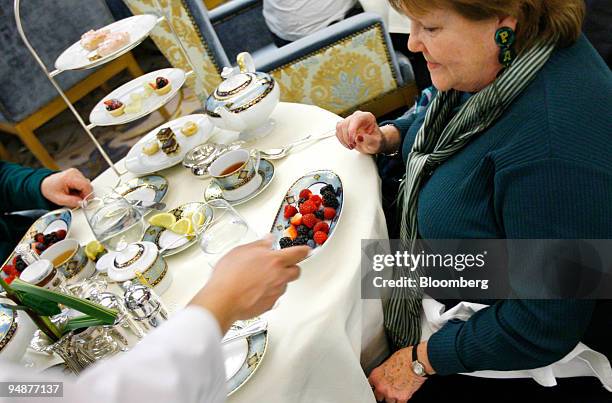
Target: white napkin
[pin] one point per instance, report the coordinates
(581, 361)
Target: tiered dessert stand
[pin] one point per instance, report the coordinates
(76, 58)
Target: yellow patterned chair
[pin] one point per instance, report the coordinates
(347, 66)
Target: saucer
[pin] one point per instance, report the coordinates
(150, 188)
(266, 170)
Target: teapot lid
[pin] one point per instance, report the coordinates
(137, 256)
(233, 85)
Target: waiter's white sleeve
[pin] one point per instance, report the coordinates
(181, 361)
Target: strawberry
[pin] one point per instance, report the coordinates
(296, 219)
(291, 232)
(290, 211)
(10, 278)
(10, 270)
(309, 220)
(308, 207)
(305, 194)
(40, 237)
(329, 213)
(320, 237)
(317, 200)
(321, 226)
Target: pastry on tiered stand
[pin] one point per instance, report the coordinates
(162, 86)
(91, 39)
(113, 41)
(167, 138)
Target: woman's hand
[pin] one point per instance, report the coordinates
(394, 381)
(66, 188)
(361, 132)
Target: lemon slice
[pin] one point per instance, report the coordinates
(93, 249)
(164, 220)
(182, 226)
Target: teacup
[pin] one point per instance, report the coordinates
(236, 173)
(43, 274)
(70, 258)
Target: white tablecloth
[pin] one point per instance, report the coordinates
(321, 325)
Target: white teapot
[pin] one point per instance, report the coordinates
(245, 99)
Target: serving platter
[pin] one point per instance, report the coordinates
(150, 102)
(313, 181)
(138, 27)
(140, 164)
(243, 357)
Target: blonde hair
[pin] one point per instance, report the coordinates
(538, 20)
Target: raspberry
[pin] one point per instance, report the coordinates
(320, 237)
(321, 226)
(308, 207)
(60, 234)
(290, 211)
(305, 194)
(296, 219)
(40, 237)
(302, 200)
(10, 278)
(285, 242)
(309, 220)
(317, 200)
(329, 213)
(9, 270)
(329, 200)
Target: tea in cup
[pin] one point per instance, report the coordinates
(70, 258)
(236, 173)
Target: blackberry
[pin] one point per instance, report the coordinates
(310, 234)
(303, 230)
(327, 188)
(300, 240)
(329, 200)
(285, 242)
(48, 239)
(311, 243)
(319, 214)
(20, 265)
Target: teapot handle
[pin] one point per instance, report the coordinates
(245, 62)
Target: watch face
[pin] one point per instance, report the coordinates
(418, 368)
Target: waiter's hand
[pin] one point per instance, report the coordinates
(394, 381)
(248, 280)
(66, 188)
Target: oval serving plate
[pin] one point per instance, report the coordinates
(240, 367)
(168, 240)
(314, 181)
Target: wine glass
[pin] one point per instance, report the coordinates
(226, 230)
(114, 221)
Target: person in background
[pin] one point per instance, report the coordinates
(23, 188)
(290, 20)
(182, 361)
(512, 143)
(597, 27)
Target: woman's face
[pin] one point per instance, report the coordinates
(461, 54)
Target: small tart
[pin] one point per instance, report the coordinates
(118, 112)
(164, 90)
(189, 128)
(150, 148)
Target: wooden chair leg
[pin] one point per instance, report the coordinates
(28, 138)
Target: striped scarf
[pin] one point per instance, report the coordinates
(440, 137)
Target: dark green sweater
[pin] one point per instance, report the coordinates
(542, 171)
(19, 190)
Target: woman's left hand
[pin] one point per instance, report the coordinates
(394, 381)
(66, 188)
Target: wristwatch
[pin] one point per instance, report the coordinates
(417, 366)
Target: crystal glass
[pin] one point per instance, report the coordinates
(114, 221)
(225, 231)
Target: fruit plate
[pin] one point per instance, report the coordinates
(99, 116)
(46, 224)
(243, 357)
(140, 164)
(170, 242)
(314, 182)
(76, 57)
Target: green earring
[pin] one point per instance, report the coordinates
(504, 38)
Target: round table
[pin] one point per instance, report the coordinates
(322, 332)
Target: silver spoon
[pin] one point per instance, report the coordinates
(278, 153)
(254, 328)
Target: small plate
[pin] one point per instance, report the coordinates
(150, 188)
(242, 358)
(50, 222)
(76, 57)
(141, 164)
(163, 237)
(266, 170)
(313, 181)
(99, 116)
